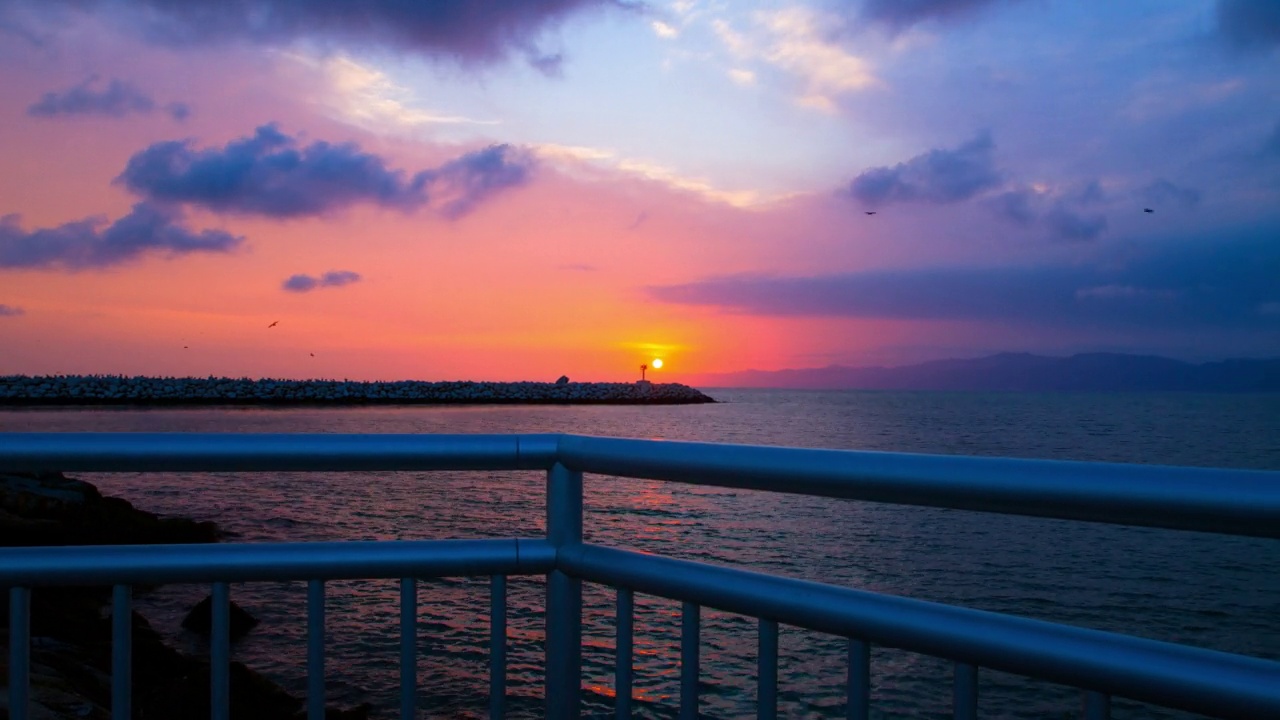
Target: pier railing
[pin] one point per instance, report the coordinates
(1101, 664)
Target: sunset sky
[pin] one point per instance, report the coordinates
(490, 190)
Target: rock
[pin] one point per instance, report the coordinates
(200, 619)
(564, 380)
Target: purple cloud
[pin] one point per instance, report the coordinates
(117, 99)
(1064, 216)
(898, 15)
(334, 278)
(1272, 147)
(476, 176)
(469, 31)
(937, 176)
(92, 243)
(269, 174)
(11, 311)
(1162, 192)
(1178, 285)
(1249, 24)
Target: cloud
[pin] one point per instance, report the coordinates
(797, 41)
(898, 15)
(333, 278)
(1067, 223)
(1179, 285)
(937, 176)
(1064, 215)
(470, 31)
(92, 243)
(1249, 24)
(269, 174)
(11, 311)
(476, 176)
(1163, 192)
(1272, 146)
(117, 99)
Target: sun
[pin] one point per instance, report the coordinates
(657, 363)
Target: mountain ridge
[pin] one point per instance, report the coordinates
(1025, 372)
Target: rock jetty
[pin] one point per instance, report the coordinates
(71, 626)
(120, 390)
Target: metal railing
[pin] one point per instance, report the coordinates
(1102, 664)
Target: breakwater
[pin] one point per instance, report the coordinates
(119, 390)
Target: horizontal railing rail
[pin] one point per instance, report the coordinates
(248, 562)
(1234, 502)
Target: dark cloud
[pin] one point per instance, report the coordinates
(11, 311)
(1175, 285)
(1064, 215)
(1272, 146)
(469, 31)
(117, 99)
(333, 278)
(270, 174)
(1068, 224)
(474, 177)
(92, 243)
(1250, 23)
(898, 15)
(1163, 192)
(938, 176)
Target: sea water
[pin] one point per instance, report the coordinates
(1195, 588)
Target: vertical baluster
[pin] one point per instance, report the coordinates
(315, 650)
(220, 652)
(564, 597)
(767, 672)
(1097, 706)
(408, 648)
(121, 652)
(965, 695)
(622, 653)
(859, 679)
(497, 646)
(19, 652)
(689, 641)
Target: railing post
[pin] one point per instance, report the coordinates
(564, 597)
(122, 652)
(19, 652)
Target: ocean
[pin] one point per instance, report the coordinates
(1194, 588)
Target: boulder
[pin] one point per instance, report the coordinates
(563, 380)
(200, 619)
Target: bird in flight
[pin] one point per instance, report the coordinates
(313, 354)
(869, 212)
(273, 324)
(1147, 210)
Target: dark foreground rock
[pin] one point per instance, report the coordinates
(200, 619)
(117, 390)
(71, 626)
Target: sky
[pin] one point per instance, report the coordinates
(486, 190)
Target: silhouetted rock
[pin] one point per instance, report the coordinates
(200, 619)
(563, 380)
(71, 626)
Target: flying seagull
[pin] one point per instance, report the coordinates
(869, 212)
(1147, 210)
(273, 324)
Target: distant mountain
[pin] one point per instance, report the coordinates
(1092, 372)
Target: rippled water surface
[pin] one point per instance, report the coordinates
(1194, 588)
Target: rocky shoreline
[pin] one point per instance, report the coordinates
(120, 390)
(71, 626)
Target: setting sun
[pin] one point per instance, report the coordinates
(657, 363)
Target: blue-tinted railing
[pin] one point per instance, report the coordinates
(1235, 502)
